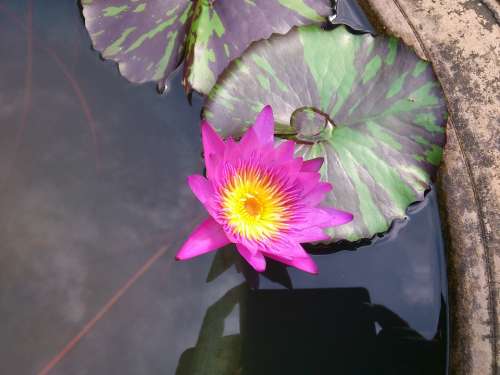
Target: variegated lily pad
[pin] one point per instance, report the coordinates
(368, 105)
(150, 38)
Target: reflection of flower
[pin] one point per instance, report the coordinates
(261, 198)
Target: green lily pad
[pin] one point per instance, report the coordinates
(369, 105)
(146, 38)
(150, 39)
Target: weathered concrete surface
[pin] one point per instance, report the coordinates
(462, 39)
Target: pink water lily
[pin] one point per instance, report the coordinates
(261, 198)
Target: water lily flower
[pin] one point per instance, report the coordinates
(261, 198)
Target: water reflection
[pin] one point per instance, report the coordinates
(73, 235)
(378, 310)
(215, 353)
(315, 331)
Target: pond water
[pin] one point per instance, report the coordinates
(94, 206)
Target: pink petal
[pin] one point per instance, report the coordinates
(291, 169)
(249, 139)
(242, 149)
(312, 234)
(306, 264)
(212, 145)
(308, 181)
(285, 151)
(256, 259)
(317, 194)
(337, 217)
(208, 236)
(285, 248)
(313, 217)
(313, 165)
(300, 260)
(264, 126)
(201, 187)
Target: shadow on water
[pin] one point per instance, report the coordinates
(315, 331)
(379, 310)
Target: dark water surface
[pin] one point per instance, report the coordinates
(94, 205)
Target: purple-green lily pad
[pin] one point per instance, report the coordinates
(150, 39)
(369, 105)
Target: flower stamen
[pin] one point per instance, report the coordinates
(252, 206)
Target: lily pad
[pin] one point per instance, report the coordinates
(146, 38)
(150, 39)
(369, 105)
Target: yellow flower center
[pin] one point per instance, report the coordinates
(254, 205)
